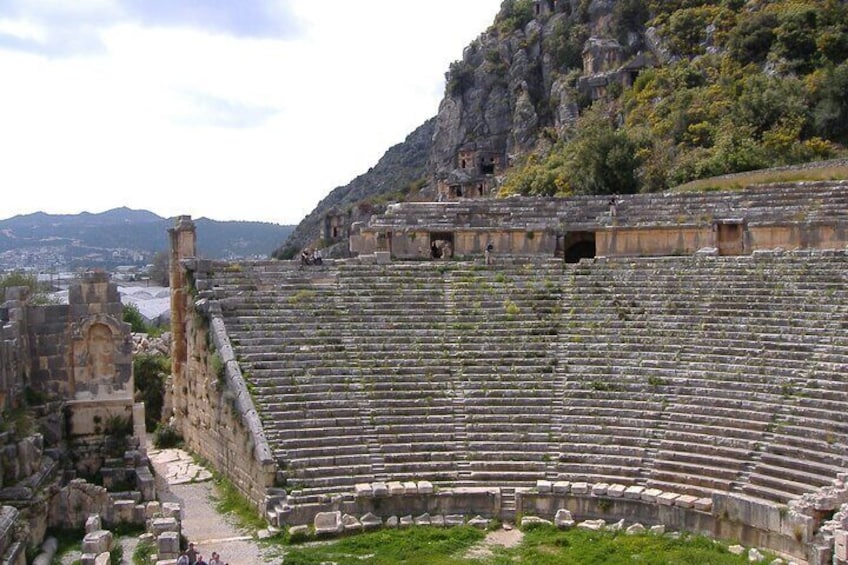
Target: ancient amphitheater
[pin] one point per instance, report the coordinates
(703, 391)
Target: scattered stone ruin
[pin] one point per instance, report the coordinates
(68, 415)
(700, 390)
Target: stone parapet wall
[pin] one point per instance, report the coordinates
(387, 499)
(727, 516)
(217, 417)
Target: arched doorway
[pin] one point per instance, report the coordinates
(441, 245)
(579, 245)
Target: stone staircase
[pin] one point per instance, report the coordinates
(688, 374)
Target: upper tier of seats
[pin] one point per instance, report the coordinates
(822, 201)
(689, 374)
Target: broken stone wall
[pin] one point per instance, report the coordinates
(217, 418)
(81, 368)
(14, 350)
(211, 405)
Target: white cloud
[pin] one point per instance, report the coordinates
(194, 120)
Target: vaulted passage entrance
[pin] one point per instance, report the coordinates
(730, 237)
(441, 245)
(577, 245)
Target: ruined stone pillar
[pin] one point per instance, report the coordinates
(183, 246)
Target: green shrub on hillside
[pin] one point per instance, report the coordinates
(514, 15)
(755, 85)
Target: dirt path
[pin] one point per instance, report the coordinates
(178, 479)
(506, 537)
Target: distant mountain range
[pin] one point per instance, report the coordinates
(122, 237)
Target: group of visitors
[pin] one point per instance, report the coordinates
(192, 557)
(311, 257)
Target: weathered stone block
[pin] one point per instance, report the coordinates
(168, 545)
(600, 489)
(422, 520)
(437, 521)
(93, 523)
(479, 522)
(158, 526)
(563, 519)
(139, 514)
(88, 558)
(97, 542)
(651, 494)
(380, 489)
(396, 488)
(736, 549)
(425, 487)
(392, 522)
(616, 491)
(371, 521)
(123, 511)
(454, 520)
(328, 523)
(406, 521)
(667, 498)
(146, 483)
(530, 520)
(152, 509)
(561, 487)
(363, 490)
(580, 488)
(544, 487)
(704, 504)
(635, 529)
(351, 523)
(616, 527)
(754, 555)
(410, 487)
(297, 531)
(685, 501)
(840, 545)
(633, 492)
(592, 524)
(172, 510)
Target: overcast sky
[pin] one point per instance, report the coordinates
(228, 109)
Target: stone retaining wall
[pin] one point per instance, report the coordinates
(14, 348)
(217, 418)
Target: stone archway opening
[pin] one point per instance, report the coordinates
(579, 245)
(441, 245)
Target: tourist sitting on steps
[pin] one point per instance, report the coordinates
(489, 250)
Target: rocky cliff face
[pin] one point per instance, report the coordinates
(518, 85)
(521, 82)
(400, 174)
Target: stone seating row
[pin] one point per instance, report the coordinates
(682, 389)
